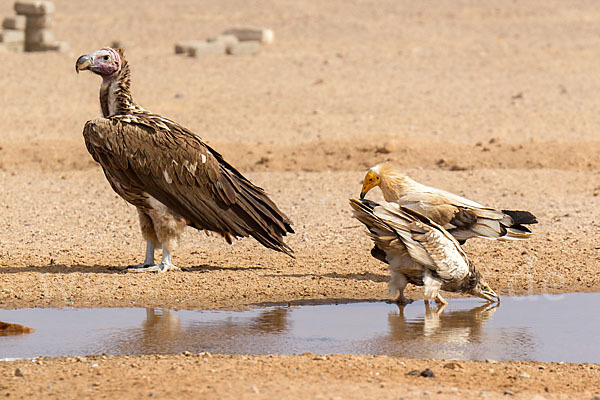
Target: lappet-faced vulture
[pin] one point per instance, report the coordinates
(167, 171)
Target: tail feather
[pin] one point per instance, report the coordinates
(520, 217)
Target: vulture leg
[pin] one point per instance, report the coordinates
(397, 283)
(149, 260)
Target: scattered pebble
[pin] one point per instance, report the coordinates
(524, 375)
(509, 393)
(19, 373)
(427, 373)
(453, 365)
(414, 372)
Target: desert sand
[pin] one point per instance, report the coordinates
(497, 102)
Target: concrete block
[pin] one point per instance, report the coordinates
(182, 47)
(206, 48)
(17, 23)
(39, 36)
(227, 40)
(39, 21)
(12, 36)
(38, 7)
(265, 36)
(244, 48)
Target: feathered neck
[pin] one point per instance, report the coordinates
(115, 95)
(393, 184)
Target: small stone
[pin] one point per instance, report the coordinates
(187, 353)
(320, 358)
(121, 44)
(453, 365)
(490, 361)
(19, 373)
(34, 7)
(206, 48)
(414, 372)
(244, 48)
(386, 148)
(509, 393)
(266, 36)
(427, 373)
(523, 375)
(17, 22)
(179, 95)
(254, 389)
(94, 365)
(39, 21)
(597, 397)
(11, 36)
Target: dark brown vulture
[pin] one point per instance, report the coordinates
(171, 176)
(418, 251)
(462, 217)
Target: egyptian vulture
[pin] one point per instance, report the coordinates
(418, 251)
(167, 171)
(462, 217)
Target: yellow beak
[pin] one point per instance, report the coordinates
(371, 180)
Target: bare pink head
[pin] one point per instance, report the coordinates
(105, 62)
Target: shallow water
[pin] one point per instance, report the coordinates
(545, 328)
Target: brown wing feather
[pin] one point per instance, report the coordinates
(173, 165)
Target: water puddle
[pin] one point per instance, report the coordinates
(545, 328)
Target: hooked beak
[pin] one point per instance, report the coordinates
(489, 295)
(83, 63)
(369, 183)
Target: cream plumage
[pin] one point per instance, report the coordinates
(462, 217)
(418, 251)
(171, 176)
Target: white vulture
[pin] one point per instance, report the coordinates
(419, 251)
(167, 171)
(462, 217)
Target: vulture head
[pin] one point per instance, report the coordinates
(483, 290)
(105, 62)
(371, 180)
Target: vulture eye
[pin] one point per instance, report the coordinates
(105, 58)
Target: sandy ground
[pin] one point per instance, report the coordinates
(495, 102)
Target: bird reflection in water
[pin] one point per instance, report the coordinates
(455, 326)
(163, 332)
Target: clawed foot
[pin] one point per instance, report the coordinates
(152, 268)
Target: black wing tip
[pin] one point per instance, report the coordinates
(521, 217)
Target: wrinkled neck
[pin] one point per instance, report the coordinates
(115, 96)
